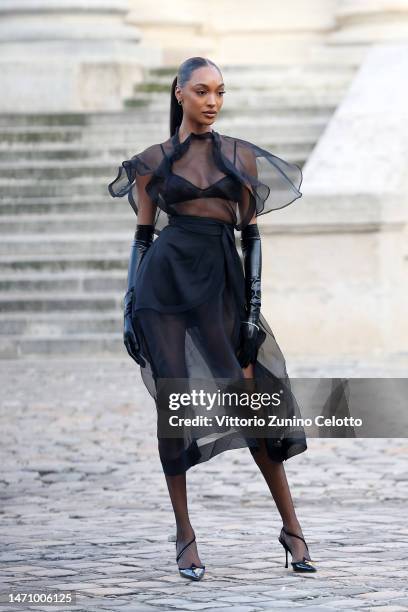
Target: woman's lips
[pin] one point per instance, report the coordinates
(209, 113)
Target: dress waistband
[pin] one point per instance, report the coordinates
(202, 225)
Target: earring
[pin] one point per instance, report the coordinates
(180, 102)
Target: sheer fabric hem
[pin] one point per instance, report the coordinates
(278, 451)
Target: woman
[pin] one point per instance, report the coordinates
(191, 309)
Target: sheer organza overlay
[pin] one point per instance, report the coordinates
(211, 175)
(190, 289)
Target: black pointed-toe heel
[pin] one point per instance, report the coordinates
(305, 565)
(194, 572)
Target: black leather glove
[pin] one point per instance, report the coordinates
(250, 333)
(141, 243)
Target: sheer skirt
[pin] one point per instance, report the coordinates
(200, 341)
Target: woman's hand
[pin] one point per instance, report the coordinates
(130, 339)
(248, 348)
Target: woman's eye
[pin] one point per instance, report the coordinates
(203, 92)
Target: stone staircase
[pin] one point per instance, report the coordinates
(65, 242)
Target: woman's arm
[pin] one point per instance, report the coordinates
(146, 207)
(252, 255)
(251, 249)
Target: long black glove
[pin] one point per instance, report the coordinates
(250, 333)
(141, 243)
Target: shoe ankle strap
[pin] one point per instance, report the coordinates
(295, 535)
(184, 548)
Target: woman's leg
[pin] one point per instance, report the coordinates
(166, 335)
(177, 487)
(275, 477)
(214, 339)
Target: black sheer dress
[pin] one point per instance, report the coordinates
(190, 291)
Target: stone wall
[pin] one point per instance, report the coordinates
(69, 55)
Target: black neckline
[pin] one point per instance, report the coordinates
(191, 135)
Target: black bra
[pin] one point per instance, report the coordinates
(180, 189)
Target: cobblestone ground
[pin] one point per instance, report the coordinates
(85, 505)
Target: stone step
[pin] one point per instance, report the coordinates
(10, 206)
(73, 280)
(66, 223)
(89, 171)
(278, 78)
(55, 170)
(84, 186)
(152, 120)
(60, 324)
(55, 302)
(68, 135)
(78, 119)
(43, 174)
(339, 60)
(97, 345)
(335, 54)
(104, 147)
(273, 130)
(88, 185)
(263, 102)
(34, 152)
(57, 262)
(37, 244)
(301, 75)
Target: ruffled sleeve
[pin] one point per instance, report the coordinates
(126, 183)
(268, 182)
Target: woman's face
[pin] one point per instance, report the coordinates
(202, 95)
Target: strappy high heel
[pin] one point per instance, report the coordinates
(194, 572)
(298, 566)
